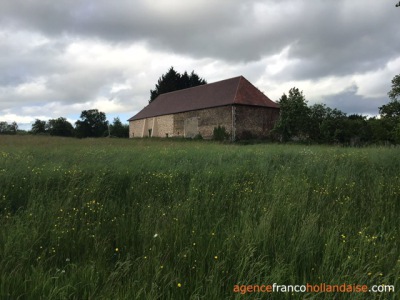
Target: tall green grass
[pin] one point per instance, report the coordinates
(164, 219)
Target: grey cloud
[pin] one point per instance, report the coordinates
(328, 37)
(18, 64)
(351, 103)
(335, 38)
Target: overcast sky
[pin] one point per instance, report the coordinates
(58, 58)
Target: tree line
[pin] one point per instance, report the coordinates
(92, 123)
(298, 121)
(321, 124)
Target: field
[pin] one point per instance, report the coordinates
(167, 219)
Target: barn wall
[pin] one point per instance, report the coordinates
(163, 126)
(136, 128)
(160, 126)
(258, 121)
(207, 119)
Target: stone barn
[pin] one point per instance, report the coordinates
(234, 103)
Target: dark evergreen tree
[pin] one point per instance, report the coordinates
(173, 81)
(184, 81)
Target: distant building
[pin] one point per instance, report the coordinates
(233, 103)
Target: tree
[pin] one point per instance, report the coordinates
(318, 113)
(173, 81)
(390, 112)
(398, 4)
(38, 127)
(294, 115)
(14, 127)
(60, 127)
(394, 93)
(333, 127)
(92, 124)
(392, 109)
(6, 128)
(380, 130)
(118, 129)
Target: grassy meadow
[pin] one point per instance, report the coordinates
(167, 219)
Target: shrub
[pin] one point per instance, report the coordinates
(198, 137)
(220, 133)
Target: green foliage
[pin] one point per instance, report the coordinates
(165, 219)
(92, 124)
(321, 124)
(38, 127)
(394, 93)
(118, 129)
(6, 128)
(198, 137)
(220, 133)
(294, 115)
(59, 127)
(390, 110)
(172, 81)
(390, 113)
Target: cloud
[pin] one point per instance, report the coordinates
(375, 83)
(69, 55)
(350, 102)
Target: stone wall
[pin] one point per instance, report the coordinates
(136, 128)
(249, 121)
(253, 121)
(207, 119)
(160, 126)
(163, 126)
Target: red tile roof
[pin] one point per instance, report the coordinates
(237, 90)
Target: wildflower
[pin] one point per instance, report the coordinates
(116, 249)
(215, 257)
(179, 285)
(156, 235)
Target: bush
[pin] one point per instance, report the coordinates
(220, 133)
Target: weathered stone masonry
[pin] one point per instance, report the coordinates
(257, 121)
(161, 126)
(238, 120)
